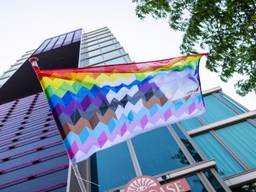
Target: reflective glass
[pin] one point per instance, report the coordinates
(241, 138)
(50, 45)
(116, 61)
(216, 110)
(93, 47)
(187, 144)
(77, 36)
(109, 48)
(60, 41)
(107, 42)
(195, 184)
(212, 149)
(106, 38)
(114, 167)
(157, 152)
(235, 104)
(68, 38)
(113, 54)
(41, 48)
(94, 60)
(190, 124)
(92, 53)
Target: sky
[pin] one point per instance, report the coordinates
(26, 24)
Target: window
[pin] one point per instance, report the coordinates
(108, 42)
(60, 41)
(216, 110)
(114, 167)
(94, 60)
(212, 149)
(50, 45)
(68, 38)
(93, 47)
(92, 53)
(119, 60)
(113, 54)
(157, 152)
(109, 48)
(241, 139)
(41, 48)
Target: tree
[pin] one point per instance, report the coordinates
(226, 28)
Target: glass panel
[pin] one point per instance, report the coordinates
(216, 110)
(83, 63)
(40, 49)
(190, 124)
(98, 33)
(108, 42)
(91, 43)
(68, 38)
(77, 36)
(92, 53)
(241, 138)
(109, 48)
(195, 184)
(116, 61)
(157, 152)
(226, 164)
(187, 144)
(94, 60)
(60, 41)
(114, 167)
(50, 45)
(235, 104)
(106, 38)
(113, 54)
(98, 36)
(93, 47)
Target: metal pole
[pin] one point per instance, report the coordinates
(78, 177)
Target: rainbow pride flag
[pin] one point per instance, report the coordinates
(98, 107)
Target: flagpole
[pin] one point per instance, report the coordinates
(34, 63)
(78, 177)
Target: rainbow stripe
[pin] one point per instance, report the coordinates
(97, 107)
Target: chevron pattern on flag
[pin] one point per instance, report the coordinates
(97, 107)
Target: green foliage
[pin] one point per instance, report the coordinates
(226, 28)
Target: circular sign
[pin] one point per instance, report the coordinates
(142, 184)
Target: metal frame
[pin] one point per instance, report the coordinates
(126, 54)
(220, 124)
(83, 45)
(101, 54)
(253, 123)
(100, 48)
(134, 159)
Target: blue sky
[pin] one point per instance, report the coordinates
(25, 24)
